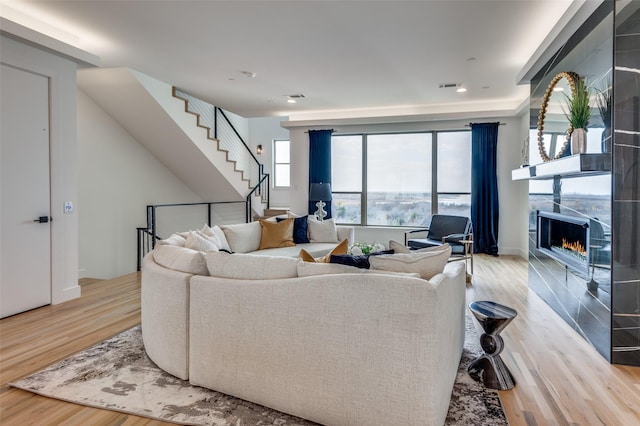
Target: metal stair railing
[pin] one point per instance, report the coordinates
(148, 237)
(229, 140)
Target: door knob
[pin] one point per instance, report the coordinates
(43, 219)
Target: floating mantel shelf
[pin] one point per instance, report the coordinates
(574, 166)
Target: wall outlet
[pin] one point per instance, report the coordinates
(68, 207)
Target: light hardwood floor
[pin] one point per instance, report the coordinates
(561, 380)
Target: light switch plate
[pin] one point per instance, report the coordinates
(68, 207)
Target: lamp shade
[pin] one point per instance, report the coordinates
(320, 192)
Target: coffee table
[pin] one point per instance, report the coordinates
(489, 367)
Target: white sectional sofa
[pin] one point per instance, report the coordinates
(358, 348)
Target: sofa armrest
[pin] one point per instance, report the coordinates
(346, 232)
(455, 238)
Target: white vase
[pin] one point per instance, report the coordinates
(578, 141)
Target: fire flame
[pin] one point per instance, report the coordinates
(574, 246)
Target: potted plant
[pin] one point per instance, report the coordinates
(604, 100)
(579, 113)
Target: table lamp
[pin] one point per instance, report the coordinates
(320, 192)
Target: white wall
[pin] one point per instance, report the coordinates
(512, 195)
(118, 177)
(263, 131)
(62, 89)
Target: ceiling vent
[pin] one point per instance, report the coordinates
(449, 85)
(298, 96)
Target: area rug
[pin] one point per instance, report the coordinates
(117, 375)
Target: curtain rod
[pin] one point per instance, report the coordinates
(331, 130)
(499, 124)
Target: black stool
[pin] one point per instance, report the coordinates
(489, 368)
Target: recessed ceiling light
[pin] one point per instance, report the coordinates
(461, 89)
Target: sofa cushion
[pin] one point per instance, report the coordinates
(217, 232)
(181, 259)
(276, 234)
(339, 249)
(427, 264)
(173, 240)
(300, 229)
(322, 232)
(243, 237)
(308, 269)
(198, 241)
(250, 267)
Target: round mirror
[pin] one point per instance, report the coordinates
(552, 115)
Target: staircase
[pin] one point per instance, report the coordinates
(167, 125)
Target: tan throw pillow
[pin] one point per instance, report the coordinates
(276, 234)
(322, 232)
(426, 263)
(339, 249)
(250, 267)
(243, 237)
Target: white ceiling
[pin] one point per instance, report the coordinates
(348, 58)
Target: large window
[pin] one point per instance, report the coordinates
(400, 179)
(281, 163)
(454, 173)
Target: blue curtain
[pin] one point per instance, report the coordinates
(485, 211)
(319, 163)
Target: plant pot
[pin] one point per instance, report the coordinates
(578, 141)
(606, 140)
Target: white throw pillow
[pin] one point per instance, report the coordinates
(250, 267)
(198, 241)
(426, 263)
(173, 240)
(322, 232)
(215, 231)
(308, 269)
(401, 248)
(243, 237)
(181, 259)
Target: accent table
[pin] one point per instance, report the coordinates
(489, 368)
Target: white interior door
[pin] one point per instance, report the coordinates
(25, 252)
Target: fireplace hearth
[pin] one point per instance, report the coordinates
(565, 239)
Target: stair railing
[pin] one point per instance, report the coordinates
(148, 237)
(216, 121)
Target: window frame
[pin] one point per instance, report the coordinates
(274, 163)
(435, 195)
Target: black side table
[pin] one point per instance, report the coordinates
(489, 368)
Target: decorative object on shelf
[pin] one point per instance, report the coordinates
(604, 102)
(320, 192)
(579, 114)
(571, 79)
(360, 248)
(525, 153)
